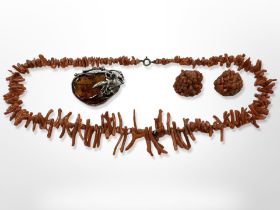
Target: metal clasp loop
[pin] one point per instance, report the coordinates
(146, 61)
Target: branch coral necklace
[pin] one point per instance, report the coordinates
(95, 86)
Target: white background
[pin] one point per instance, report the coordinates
(38, 173)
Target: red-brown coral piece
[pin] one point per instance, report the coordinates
(188, 83)
(228, 83)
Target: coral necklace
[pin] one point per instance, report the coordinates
(111, 124)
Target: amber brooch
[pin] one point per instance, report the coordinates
(97, 84)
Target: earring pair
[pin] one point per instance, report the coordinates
(189, 83)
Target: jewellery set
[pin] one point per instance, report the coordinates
(96, 85)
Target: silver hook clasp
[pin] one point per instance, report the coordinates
(146, 61)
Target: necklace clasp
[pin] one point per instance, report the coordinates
(146, 61)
